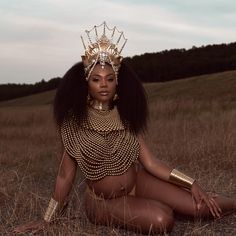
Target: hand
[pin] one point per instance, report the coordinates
(33, 226)
(201, 197)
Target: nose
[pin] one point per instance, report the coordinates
(103, 82)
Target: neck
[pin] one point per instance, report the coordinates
(100, 106)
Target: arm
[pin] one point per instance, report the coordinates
(151, 163)
(161, 170)
(164, 172)
(65, 178)
(63, 185)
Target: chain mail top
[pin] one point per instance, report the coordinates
(100, 143)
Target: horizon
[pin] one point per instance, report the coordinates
(47, 80)
(41, 40)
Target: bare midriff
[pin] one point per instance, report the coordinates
(114, 186)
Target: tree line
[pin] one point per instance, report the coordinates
(181, 63)
(153, 67)
(11, 91)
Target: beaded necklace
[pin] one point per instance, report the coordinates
(100, 144)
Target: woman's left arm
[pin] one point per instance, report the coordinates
(162, 171)
(151, 164)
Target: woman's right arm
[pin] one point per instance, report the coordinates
(64, 182)
(65, 178)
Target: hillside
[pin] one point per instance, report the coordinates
(218, 86)
(31, 100)
(192, 127)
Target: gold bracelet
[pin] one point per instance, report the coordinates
(180, 179)
(51, 210)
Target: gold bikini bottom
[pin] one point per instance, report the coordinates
(92, 194)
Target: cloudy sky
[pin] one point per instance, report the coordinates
(40, 39)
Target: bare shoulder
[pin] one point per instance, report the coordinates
(141, 139)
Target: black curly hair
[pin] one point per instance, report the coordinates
(72, 94)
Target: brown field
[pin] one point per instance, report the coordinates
(195, 135)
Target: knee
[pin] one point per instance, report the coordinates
(163, 222)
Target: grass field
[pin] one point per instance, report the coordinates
(192, 127)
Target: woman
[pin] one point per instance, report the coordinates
(101, 114)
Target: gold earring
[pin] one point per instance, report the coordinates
(116, 97)
(89, 98)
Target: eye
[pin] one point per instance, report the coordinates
(95, 79)
(110, 78)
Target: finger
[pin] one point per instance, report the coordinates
(213, 208)
(196, 197)
(212, 197)
(18, 230)
(216, 207)
(198, 201)
(195, 205)
(23, 229)
(209, 205)
(216, 204)
(35, 231)
(199, 205)
(217, 213)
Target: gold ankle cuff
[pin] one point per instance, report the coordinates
(180, 179)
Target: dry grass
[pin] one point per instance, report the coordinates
(196, 136)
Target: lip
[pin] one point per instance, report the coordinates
(104, 93)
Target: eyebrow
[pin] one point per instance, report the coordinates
(101, 75)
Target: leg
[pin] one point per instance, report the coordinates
(138, 214)
(179, 199)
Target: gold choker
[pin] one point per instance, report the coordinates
(99, 106)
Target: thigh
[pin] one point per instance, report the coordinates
(179, 199)
(130, 212)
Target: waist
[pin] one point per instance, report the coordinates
(113, 186)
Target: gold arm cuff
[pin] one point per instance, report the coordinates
(51, 210)
(180, 179)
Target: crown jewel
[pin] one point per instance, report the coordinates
(103, 45)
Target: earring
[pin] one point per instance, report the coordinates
(116, 97)
(89, 98)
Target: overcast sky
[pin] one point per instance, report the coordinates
(40, 39)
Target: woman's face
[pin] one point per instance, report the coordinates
(102, 84)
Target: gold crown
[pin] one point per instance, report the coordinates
(103, 46)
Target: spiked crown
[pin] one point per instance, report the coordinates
(103, 45)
